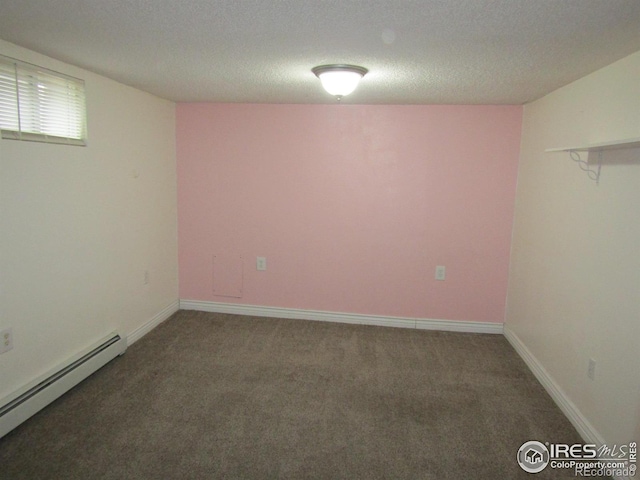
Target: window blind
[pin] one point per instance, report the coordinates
(38, 104)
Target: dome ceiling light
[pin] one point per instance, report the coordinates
(339, 80)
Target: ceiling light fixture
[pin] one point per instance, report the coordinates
(339, 80)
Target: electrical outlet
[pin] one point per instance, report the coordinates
(440, 272)
(146, 277)
(591, 369)
(261, 263)
(6, 340)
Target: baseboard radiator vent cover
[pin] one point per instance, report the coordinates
(25, 403)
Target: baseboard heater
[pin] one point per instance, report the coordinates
(44, 390)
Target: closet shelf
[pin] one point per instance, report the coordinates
(594, 174)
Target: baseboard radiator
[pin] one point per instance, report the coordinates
(45, 390)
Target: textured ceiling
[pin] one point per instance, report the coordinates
(417, 52)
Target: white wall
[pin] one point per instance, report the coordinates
(574, 288)
(80, 225)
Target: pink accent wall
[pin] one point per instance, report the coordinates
(353, 206)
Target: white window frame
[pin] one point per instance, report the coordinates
(41, 105)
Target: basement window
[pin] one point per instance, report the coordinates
(40, 105)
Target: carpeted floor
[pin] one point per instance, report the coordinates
(208, 396)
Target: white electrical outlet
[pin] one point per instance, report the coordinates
(591, 369)
(440, 273)
(261, 263)
(146, 277)
(6, 340)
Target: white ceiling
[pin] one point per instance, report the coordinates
(417, 52)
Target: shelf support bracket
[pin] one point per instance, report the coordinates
(594, 174)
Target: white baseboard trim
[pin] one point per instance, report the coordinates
(354, 318)
(156, 320)
(588, 433)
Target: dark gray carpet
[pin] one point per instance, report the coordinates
(207, 396)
